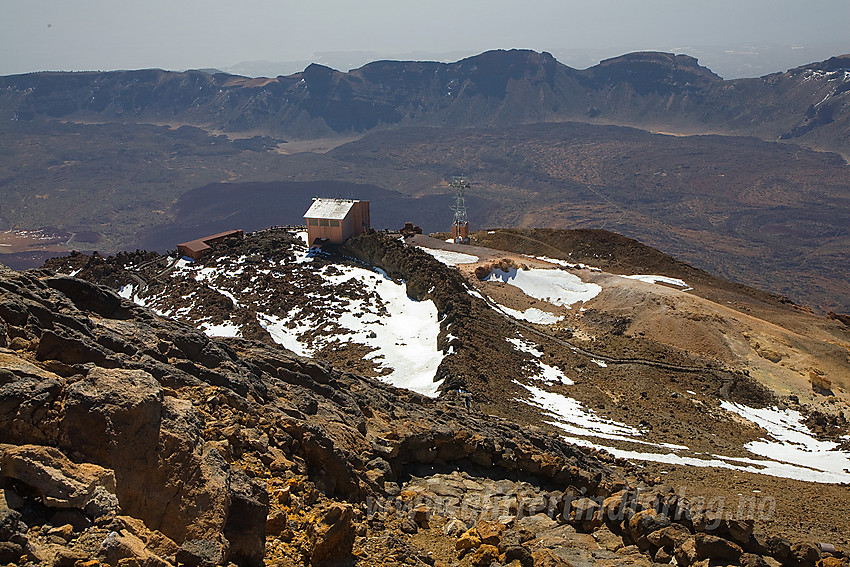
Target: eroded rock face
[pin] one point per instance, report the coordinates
(133, 449)
(184, 437)
(59, 482)
(128, 439)
(332, 534)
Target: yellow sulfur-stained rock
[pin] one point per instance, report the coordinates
(468, 540)
(485, 555)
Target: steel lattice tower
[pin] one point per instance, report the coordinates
(460, 225)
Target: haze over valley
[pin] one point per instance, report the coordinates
(746, 178)
(476, 284)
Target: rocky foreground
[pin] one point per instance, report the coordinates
(129, 439)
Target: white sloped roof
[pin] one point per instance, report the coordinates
(335, 209)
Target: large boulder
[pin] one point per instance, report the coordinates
(87, 296)
(121, 442)
(713, 547)
(646, 522)
(59, 482)
(165, 475)
(331, 535)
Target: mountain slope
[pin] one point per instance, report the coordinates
(132, 438)
(767, 214)
(691, 382)
(140, 439)
(771, 215)
(496, 88)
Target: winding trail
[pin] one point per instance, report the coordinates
(141, 282)
(603, 357)
(485, 253)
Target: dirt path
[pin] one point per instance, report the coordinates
(489, 254)
(603, 357)
(484, 254)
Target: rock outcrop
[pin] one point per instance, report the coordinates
(474, 326)
(153, 443)
(130, 439)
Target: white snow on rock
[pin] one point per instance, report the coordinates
(525, 346)
(757, 466)
(557, 261)
(226, 329)
(286, 330)
(404, 338)
(553, 374)
(791, 442)
(599, 363)
(449, 257)
(792, 452)
(660, 279)
(402, 332)
(543, 372)
(569, 415)
(532, 315)
(555, 286)
(474, 293)
(566, 264)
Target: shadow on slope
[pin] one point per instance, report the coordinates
(253, 206)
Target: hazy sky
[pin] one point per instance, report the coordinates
(174, 34)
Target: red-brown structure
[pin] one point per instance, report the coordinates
(195, 249)
(460, 233)
(336, 220)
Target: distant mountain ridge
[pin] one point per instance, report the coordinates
(659, 91)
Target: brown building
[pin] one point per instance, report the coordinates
(460, 233)
(337, 220)
(195, 249)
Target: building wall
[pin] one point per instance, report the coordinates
(334, 234)
(190, 250)
(356, 222)
(460, 234)
(360, 217)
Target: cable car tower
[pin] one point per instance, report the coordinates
(460, 226)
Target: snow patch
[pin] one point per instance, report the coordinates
(524, 346)
(474, 293)
(127, 292)
(544, 372)
(555, 286)
(653, 279)
(569, 414)
(556, 261)
(791, 441)
(404, 338)
(532, 315)
(449, 257)
(225, 329)
(286, 331)
(793, 452)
